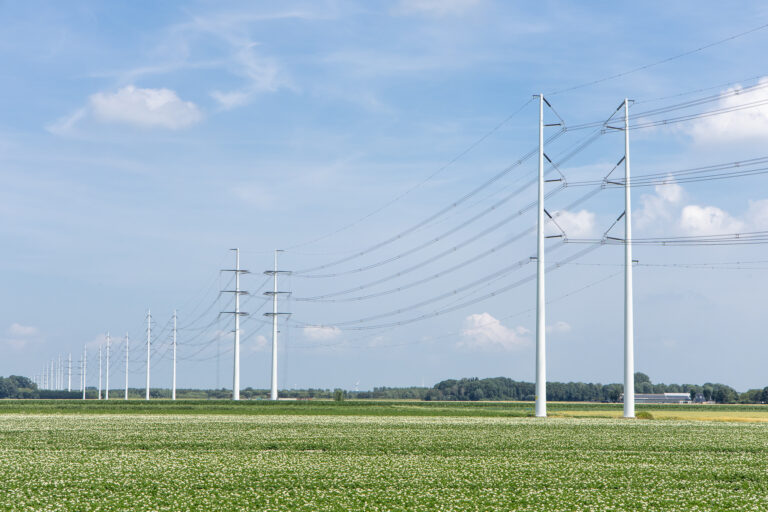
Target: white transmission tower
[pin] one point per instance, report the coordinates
(275, 314)
(237, 314)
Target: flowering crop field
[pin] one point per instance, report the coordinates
(377, 462)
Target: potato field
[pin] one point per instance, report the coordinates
(284, 459)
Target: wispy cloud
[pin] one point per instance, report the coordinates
(20, 337)
(23, 330)
(436, 7)
(321, 333)
(559, 327)
(243, 57)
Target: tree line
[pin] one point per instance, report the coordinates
(503, 388)
(496, 388)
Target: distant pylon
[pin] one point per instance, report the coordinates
(109, 340)
(149, 344)
(85, 367)
(99, 372)
(173, 384)
(126, 366)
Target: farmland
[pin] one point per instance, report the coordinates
(386, 456)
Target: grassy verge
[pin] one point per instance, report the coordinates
(749, 413)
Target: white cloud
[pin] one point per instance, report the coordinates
(758, 214)
(134, 106)
(484, 332)
(100, 340)
(575, 224)
(22, 330)
(256, 195)
(377, 341)
(257, 344)
(21, 336)
(660, 207)
(160, 108)
(260, 74)
(320, 332)
(708, 220)
(559, 327)
(749, 124)
(665, 212)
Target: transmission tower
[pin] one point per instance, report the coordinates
(149, 345)
(99, 372)
(126, 366)
(275, 314)
(173, 383)
(629, 321)
(84, 367)
(109, 342)
(237, 314)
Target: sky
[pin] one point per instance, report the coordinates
(141, 141)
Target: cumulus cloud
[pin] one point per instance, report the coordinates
(484, 332)
(666, 211)
(758, 213)
(741, 125)
(321, 332)
(134, 106)
(660, 207)
(575, 224)
(257, 344)
(559, 327)
(708, 220)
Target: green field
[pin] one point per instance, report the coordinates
(374, 456)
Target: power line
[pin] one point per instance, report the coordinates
(420, 184)
(748, 238)
(352, 324)
(742, 168)
(432, 217)
(658, 63)
(704, 89)
(580, 146)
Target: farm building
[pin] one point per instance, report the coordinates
(661, 398)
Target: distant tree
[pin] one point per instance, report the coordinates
(764, 395)
(640, 377)
(338, 394)
(644, 387)
(723, 394)
(751, 396)
(612, 392)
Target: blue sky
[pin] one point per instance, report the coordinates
(140, 141)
